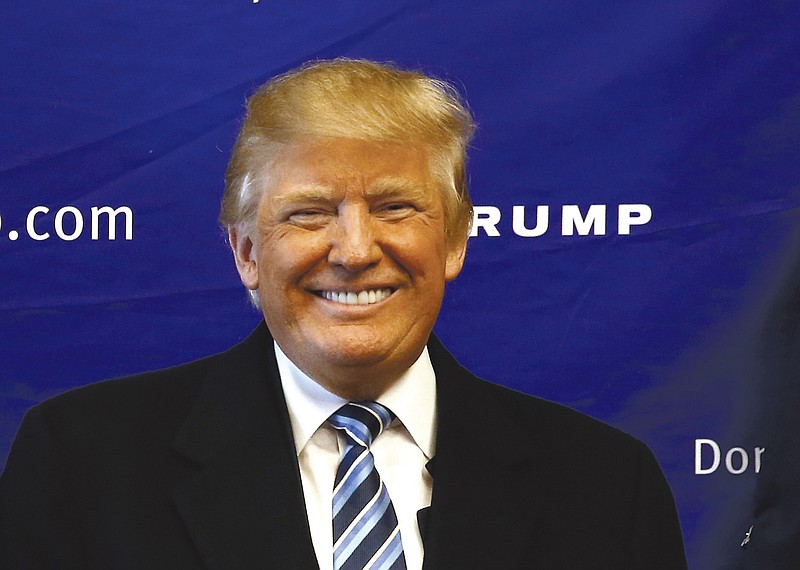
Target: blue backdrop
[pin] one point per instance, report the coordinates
(688, 109)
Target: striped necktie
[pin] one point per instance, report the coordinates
(365, 531)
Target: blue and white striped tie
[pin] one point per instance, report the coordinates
(365, 531)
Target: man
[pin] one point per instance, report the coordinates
(341, 433)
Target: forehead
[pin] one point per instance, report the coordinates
(349, 164)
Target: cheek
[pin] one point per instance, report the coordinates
(422, 254)
(285, 257)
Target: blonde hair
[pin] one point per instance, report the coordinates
(356, 99)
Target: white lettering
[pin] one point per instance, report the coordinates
(486, 217)
(111, 214)
(758, 451)
(31, 220)
(633, 215)
(518, 221)
(698, 456)
(737, 459)
(729, 460)
(572, 220)
(59, 223)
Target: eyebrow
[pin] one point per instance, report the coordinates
(306, 193)
(388, 187)
(399, 187)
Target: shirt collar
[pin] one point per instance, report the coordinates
(412, 398)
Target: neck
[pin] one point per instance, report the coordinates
(355, 382)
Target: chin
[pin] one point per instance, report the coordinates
(354, 353)
(365, 351)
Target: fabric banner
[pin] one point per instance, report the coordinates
(635, 173)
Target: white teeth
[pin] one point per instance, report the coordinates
(368, 297)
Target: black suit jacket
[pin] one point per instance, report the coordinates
(195, 467)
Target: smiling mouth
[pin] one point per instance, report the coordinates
(366, 297)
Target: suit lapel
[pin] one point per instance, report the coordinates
(487, 485)
(243, 504)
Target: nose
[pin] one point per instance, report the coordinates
(353, 245)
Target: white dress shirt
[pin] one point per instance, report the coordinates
(400, 452)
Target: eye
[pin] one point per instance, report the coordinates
(304, 213)
(308, 217)
(396, 210)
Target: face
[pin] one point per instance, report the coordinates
(350, 260)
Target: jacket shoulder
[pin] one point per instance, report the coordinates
(152, 398)
(145, 396)
(524, 417)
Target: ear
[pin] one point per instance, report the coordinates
(456, 253)
(244, 253)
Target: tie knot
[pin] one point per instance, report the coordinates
(362, 422)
